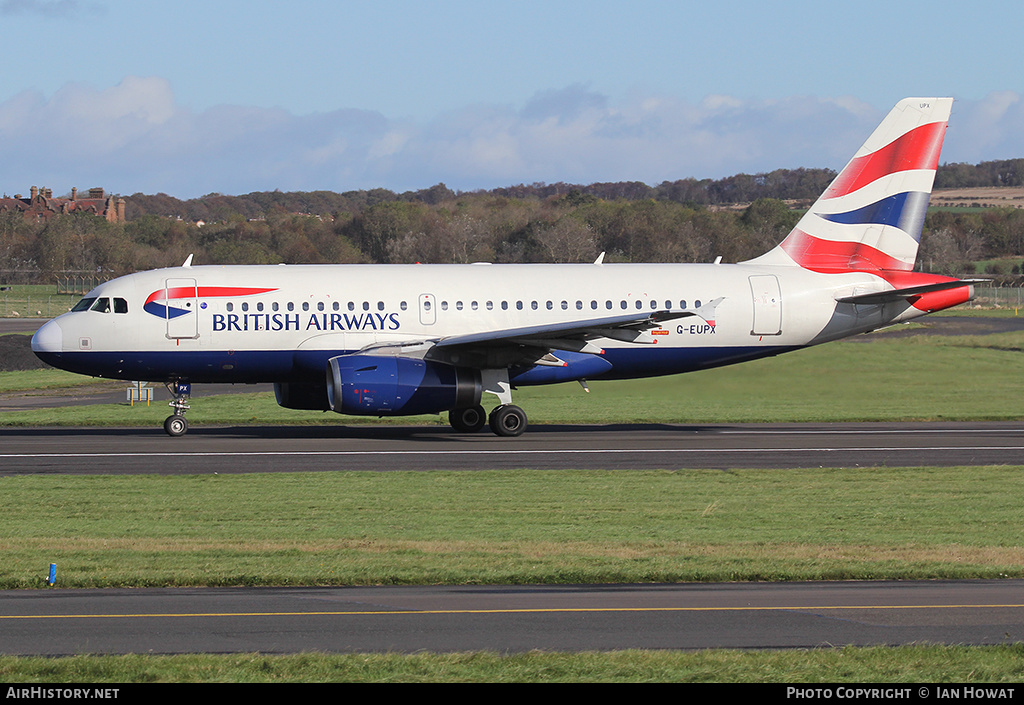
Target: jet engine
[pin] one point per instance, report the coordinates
(389, 385)
(302, 395)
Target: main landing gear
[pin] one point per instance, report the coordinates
(505, 420)
(175, 424)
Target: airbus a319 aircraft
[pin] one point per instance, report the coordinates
(391, 340)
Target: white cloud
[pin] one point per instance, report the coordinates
(136, 137)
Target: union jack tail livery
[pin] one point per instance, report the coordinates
(870, 218)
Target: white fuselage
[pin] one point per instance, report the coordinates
(280, 323)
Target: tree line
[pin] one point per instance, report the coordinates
(681, 221)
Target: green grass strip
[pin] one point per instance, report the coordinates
(520, 526)
(910, 665)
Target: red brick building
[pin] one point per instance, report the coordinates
(41, 205)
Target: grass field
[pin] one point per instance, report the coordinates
(34, 301)
(905, 665)
(502, 527)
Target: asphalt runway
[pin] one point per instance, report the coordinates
(382, 448)
(509, 618)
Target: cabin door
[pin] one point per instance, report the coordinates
(181, 302)
(767, 305)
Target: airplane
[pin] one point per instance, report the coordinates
(405, 339)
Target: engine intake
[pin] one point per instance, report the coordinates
(388, 385)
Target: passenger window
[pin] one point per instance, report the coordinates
(291, 306)
(229, 307)
(120, 306)
(245, 305)
(402, 305)
(305, 305)
(259, 305)
(380, 305)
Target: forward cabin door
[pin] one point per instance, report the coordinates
(767, 297)
(181, 302)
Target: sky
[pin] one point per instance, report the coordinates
(225, 96)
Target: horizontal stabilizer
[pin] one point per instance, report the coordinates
(884, 297)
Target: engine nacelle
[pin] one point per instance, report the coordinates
(302, 395)
(387, 385)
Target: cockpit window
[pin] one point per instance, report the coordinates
(120, 305)
(102, 305)
(84, 304)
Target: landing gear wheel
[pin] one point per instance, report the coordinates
(508, 420)
(175, 425)
(469, 420)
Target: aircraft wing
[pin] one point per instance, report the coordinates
(534, 344)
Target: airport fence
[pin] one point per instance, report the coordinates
(36, 306)
(998, 297)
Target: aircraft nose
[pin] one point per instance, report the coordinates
(48, 339)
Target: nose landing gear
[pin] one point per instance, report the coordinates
(175, 424)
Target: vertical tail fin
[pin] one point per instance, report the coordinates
(870, 217)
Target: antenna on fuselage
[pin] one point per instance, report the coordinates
(600, 259)
(188, 261)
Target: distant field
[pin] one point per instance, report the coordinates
(34, 301)
(1010, 196)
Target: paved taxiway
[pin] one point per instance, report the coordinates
(642, 446)
(510, 618)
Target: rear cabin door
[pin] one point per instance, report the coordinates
(767, 305)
